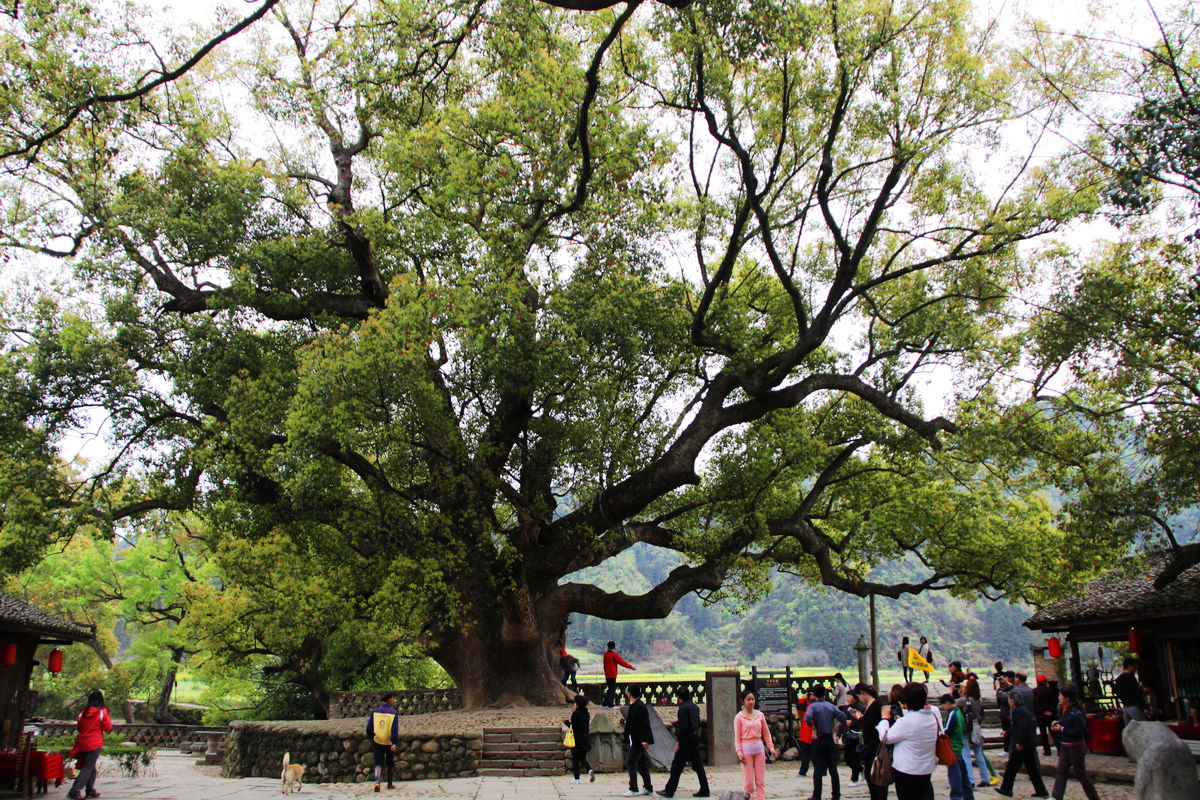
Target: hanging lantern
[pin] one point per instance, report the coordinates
(1055, 647)
(54, 662)
(8, 654)
(1135, 641)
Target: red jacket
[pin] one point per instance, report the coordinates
(806, 731)
(93, 723)
(611, 659)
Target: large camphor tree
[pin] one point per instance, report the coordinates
(441, 303)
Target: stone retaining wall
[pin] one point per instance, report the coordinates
(342, 754)
(163, 737)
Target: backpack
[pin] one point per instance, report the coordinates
(381, 727)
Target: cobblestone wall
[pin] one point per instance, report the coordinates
(160, 736)
(343, 754)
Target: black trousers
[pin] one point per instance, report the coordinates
(853, 757)
(825, 758)
(1044, 724)
(688, 753)
(1071, 758)
(912, 787)
(610, 692)
(1027, 758)
(805, 757)
(638, 762)
(579, 760)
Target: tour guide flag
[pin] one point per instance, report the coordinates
(916, 662)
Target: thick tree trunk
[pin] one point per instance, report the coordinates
(504, 658)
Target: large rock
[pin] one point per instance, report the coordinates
(1165, 768)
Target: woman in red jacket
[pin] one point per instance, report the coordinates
(93, 723)
(806, 734)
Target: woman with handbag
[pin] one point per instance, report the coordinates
(92, 724)
(579, 739)
(914, 738)
(869, 746)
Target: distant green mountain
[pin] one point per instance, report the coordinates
(795, 623)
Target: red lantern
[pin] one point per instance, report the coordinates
(1055, 647)
(1135, 641)
(54, 662)
(8, 654)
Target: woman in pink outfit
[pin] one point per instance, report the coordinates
(752, 740)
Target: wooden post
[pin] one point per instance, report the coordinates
(1077, 671)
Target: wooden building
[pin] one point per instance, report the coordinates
(1163, 625)
(23, 629)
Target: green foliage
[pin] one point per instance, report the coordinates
(437, 344)
(132, 760)
(1157, 149)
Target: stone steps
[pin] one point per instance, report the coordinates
(522, 752)
(520, 773)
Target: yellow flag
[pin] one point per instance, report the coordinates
(916, 662)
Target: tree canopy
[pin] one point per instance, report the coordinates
(1115, 347)
(424, 308)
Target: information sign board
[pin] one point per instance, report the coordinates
(774, 696)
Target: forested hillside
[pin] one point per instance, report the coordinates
(794, 623)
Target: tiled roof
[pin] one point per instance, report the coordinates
(20, 617)
(1119, 595)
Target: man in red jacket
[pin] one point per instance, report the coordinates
(93, 723)
(611, 661)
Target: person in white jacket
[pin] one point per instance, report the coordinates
(914, 736)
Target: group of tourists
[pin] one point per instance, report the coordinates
(907, 721)
(568, 665)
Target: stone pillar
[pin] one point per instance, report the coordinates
(1043, 664)
(721, 707)
(864, 659)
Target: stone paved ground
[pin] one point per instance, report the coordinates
(179, 779)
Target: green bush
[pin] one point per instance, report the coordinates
(133, 760)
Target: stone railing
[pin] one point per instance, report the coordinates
(343, 754)
(654, 693)
(657, 693)
(801, 685)
(343, 705)
(159, 736)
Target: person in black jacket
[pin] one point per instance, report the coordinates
(868, 722)
(1022, 749)
(640, 737)
(1045, 708)
(687, 747)
(1071, 730)
(580, 722)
